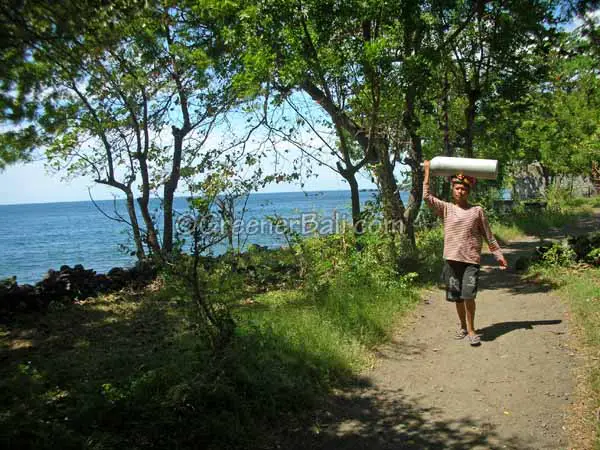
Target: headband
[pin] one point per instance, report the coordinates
(463, 179)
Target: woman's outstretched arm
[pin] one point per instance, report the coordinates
(434, 203)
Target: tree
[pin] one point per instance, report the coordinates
(126, 101)
(25, 25)
(300, 124)
(366, 64)
(561, 130)
(492, 57)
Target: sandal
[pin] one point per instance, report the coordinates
(474, 340)
(461, 333)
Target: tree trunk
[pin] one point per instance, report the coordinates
(415, 195)
(169, 191)
(169, 194)
(470, 113)
(350, 176)
(446, 113)
(411, 123)
(133, 221)
(137, 236)
(375, 150)
(448, 150)
(355, 198)
(547, 177)
(393, 208)
(144, 202)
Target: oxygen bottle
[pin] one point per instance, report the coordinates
(486, 169)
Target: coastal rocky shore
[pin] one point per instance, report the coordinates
(69, 284)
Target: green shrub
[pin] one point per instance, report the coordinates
(593, 202)
(584, 244)
(561, 199)
(593, 257)
(559, 254)
(430, 247)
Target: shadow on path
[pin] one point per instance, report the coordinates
(382, 420)
(493, 278)
(515, 283)
(491, 332)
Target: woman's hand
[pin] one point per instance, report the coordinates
(503, 263)
(426, 172)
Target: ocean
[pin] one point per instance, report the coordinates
(38, 237)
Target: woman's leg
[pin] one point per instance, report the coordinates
(468, 293)
(461, 311)
(469, 305)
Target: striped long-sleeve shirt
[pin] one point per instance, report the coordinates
(464, 230)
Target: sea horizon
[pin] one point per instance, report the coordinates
(36, 237)
(183, 196)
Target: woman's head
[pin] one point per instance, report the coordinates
(461, 187)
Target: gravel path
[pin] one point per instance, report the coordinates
(430, 391)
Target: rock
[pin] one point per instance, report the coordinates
(102, 283)
(68, 285)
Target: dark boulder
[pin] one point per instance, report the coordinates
(69, 284)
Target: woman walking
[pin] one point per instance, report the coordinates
(465, 226)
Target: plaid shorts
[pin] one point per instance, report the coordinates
(461, 280)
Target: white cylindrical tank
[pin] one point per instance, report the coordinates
(486, 169)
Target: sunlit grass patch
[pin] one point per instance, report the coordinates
(593, 202)
(539, 222)
(281, 298)
(131, 371)
(580, 288)
(506, 232)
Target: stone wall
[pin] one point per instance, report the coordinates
(529, 183)
(69, 284)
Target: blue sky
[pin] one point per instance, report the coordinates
(30, 183)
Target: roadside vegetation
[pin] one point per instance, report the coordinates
(136, 370)
(541, 217)
(572, 266)
(579, 286)
(218, 99)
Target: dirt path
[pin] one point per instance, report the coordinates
(430, 391)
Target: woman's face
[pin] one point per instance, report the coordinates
(460, 193)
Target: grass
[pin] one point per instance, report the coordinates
(505, 233)
(71, 376)
(593, 202)
(580, 288)
(539, 223)
(131, 370)
(544, 222)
